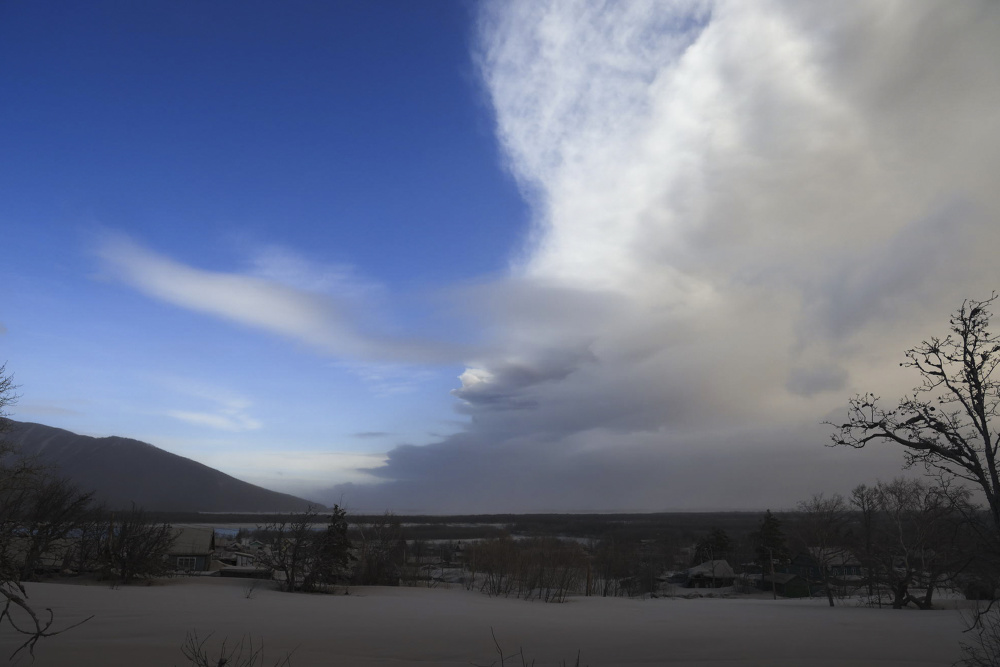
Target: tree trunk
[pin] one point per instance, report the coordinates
(827, 587)
(928, 602)
(31, 557)
(901, 595)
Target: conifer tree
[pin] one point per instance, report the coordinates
(714, 546)
(769, 543)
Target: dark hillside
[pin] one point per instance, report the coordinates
(122, 471)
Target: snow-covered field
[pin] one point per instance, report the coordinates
(146, 625)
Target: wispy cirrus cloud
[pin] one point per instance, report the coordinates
(229, 420)
(330, 311)
(209, 405)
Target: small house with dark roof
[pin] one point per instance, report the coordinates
(192, 549)
(710, 574)
(785, 584)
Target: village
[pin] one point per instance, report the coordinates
(218, 591)
(378, 552)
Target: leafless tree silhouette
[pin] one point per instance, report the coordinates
(947, 423)
(19, 480)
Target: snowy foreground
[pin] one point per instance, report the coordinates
(146, 625)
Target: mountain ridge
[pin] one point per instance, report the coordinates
(122, 471)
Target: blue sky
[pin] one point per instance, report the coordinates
(506, 256)
(168, 121)
(345, 142)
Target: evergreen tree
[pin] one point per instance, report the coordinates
(331, 552)
(714, 546)
(769, 544)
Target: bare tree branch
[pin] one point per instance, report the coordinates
(946, 425)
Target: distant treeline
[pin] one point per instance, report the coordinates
(624, 526)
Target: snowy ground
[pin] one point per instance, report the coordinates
(146, 625)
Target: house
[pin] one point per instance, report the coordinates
(225, 538)
(785, 584)
(844, 573)
(677, 577)
(840, 564)
(251, 545)
(710, 574)
(243, 564)
(192, 549)
(244, 559)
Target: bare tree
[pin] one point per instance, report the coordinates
(820, 531)
(19, 478)
(287, 542)
(518, 658)
(8, 397)
(611, 568)
(135, 547)
(982, 648)
(493, 564)
(550, 568)
(305, 557)
(920, 539)
(244, 653)
(381, 551)
(540, 568)
(91, 535)
(56, 508)
(947, 423)
(865, 502)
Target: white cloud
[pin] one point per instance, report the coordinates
(329, 310)
(209, 405)
(280, 265)
(296, 471)
(246, 299)
(744, 212)
(739, 180)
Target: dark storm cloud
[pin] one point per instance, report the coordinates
(589, 472)
(509, 383)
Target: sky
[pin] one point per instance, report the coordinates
(493, 256)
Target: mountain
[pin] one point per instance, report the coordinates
(121, 471)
